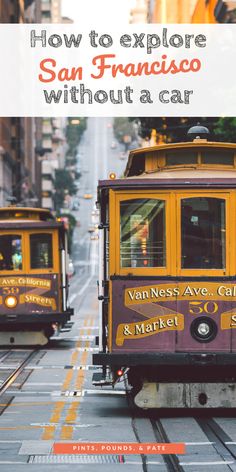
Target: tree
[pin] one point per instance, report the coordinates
(64, 184)
(123, 127)
(225, 129)
(173, 129)
(74, 130)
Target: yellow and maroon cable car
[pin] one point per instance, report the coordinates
(33, 276)
(168, 274)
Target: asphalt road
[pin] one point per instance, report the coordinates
(53, 399)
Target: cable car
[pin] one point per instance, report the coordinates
(33, 276)
(167, 286)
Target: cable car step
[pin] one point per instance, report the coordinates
(99, 380)
(67, 327)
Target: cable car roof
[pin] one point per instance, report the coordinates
(137, 157)
(25, 213)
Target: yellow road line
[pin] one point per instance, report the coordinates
(79, 380)
(67, 429)
(95, 304)
(73, 409)
(15, 428)
(28, 404)
(57, 411)
(49, 432)
(93, 320)
(79, 343)
(66, 432)
(68, 380)
(81, 373)
(70, 373)
(74, 357)
(72, 412)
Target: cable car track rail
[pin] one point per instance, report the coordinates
(4, 355)
(224, 446)
(16, 372)
(222, 443)
(154, 434)
(171, 460)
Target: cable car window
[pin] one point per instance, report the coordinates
(218, 157)
(142, 233)
(10, 252)
(41, 251)
(203, 233)
(175, 158)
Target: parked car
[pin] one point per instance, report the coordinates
(91, 228)
(94, 236)
(88, 196)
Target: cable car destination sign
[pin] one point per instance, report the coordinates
(167, 306)
(141, 70)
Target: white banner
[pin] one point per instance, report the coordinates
(137, 70)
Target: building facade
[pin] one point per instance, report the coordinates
(25, 143)
(191, 11)
(51, 11)
(171, 11)
(11, 129)
(139, 13)
(214, 11)
(31, 169)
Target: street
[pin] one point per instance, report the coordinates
(53, 399)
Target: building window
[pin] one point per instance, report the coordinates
(46, 14)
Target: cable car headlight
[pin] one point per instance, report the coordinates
(203, 329)
(11, 301)
(112, 176)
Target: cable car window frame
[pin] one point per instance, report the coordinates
(200, 156)
(140, 222)
(205, 153)
(173, 238)
(55, 253)
(114, 216)
(207, 272)
(41, 249)
(15, 272)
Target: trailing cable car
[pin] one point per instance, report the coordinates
(167, 284)
(33, 276)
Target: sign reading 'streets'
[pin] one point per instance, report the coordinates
(31, 293)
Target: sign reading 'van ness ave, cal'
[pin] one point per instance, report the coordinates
(182, 291)
(212, 299)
